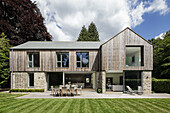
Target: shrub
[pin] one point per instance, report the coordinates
(26, 90)
(161, 85)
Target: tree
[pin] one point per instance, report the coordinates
(83, 36)
(93, 33)
(4, 61)
(90, 35)
(22, 21)
(161, 57)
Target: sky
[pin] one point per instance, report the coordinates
(64, 18)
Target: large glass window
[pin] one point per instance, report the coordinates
(33, 60)
(82, 59)
(30, 80)
(132, 79)
(134, 56)
(63, 59)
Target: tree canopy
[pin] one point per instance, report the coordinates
(22, 21)
(83, 36)
(90, 35)
(4, 61)
(161, 57)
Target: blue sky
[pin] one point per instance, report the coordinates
(65, 18)
(153, 26)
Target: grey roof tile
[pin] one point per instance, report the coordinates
(59, 45)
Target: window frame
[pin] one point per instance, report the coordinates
(81, 62)
(32, 61)
(141, 54)
(61, 57)
(30, 86)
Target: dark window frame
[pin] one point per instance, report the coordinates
(32, 59)
(30, 83)
(141, 52)
(61, 59)
(81, 62)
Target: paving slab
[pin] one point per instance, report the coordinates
(94, 94)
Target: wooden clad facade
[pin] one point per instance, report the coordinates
(19, 61)
(114, 51)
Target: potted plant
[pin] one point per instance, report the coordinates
(99, 90)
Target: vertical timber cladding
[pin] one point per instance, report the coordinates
(114, 51)
(147, 82)
(48, 61)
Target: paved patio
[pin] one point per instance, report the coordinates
(89, 93)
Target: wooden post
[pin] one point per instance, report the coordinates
(63, 78)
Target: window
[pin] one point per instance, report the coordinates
(134, 56)
(30, 80)
(33, 60)
(133, 79)
(62, 59)
(82, 59)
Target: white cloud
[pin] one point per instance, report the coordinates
(161, 36)
(110, 16)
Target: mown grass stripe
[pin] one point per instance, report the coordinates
(55, 106)
(61, 106)
(82, 106)
(47, 106)
(66, 107)
(76, 106)
(153, 107)
(140, 107)
(106, 107)
(72, 106)
(118, 105)
(101, 106)
(35, 105)
(161, 104)
(10, 103)
(41, 106)
(24, 106)
(12, 106)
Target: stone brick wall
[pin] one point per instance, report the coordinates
(103, 74)
(147, 82)
(40, 80)
(19, 80)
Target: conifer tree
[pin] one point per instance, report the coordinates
(83, 36)
(93, 33)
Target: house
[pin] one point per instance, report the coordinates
(124, 60)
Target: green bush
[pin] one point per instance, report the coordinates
(161, 85)
(26, 90)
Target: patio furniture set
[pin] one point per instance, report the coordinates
(66, 90)
(139, 91)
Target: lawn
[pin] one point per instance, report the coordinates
(9, 103)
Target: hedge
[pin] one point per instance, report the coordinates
(161, 85)
(26, 90)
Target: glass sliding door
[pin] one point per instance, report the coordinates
(132, 79)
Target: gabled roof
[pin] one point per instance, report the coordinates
(130, 30)
(67, 44)
(59, 45)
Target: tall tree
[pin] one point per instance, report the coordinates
(22, 21)
(93, 33)
(83, 36)
(4, 61)
(161, 57)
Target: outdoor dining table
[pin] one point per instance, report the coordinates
(59, 90)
